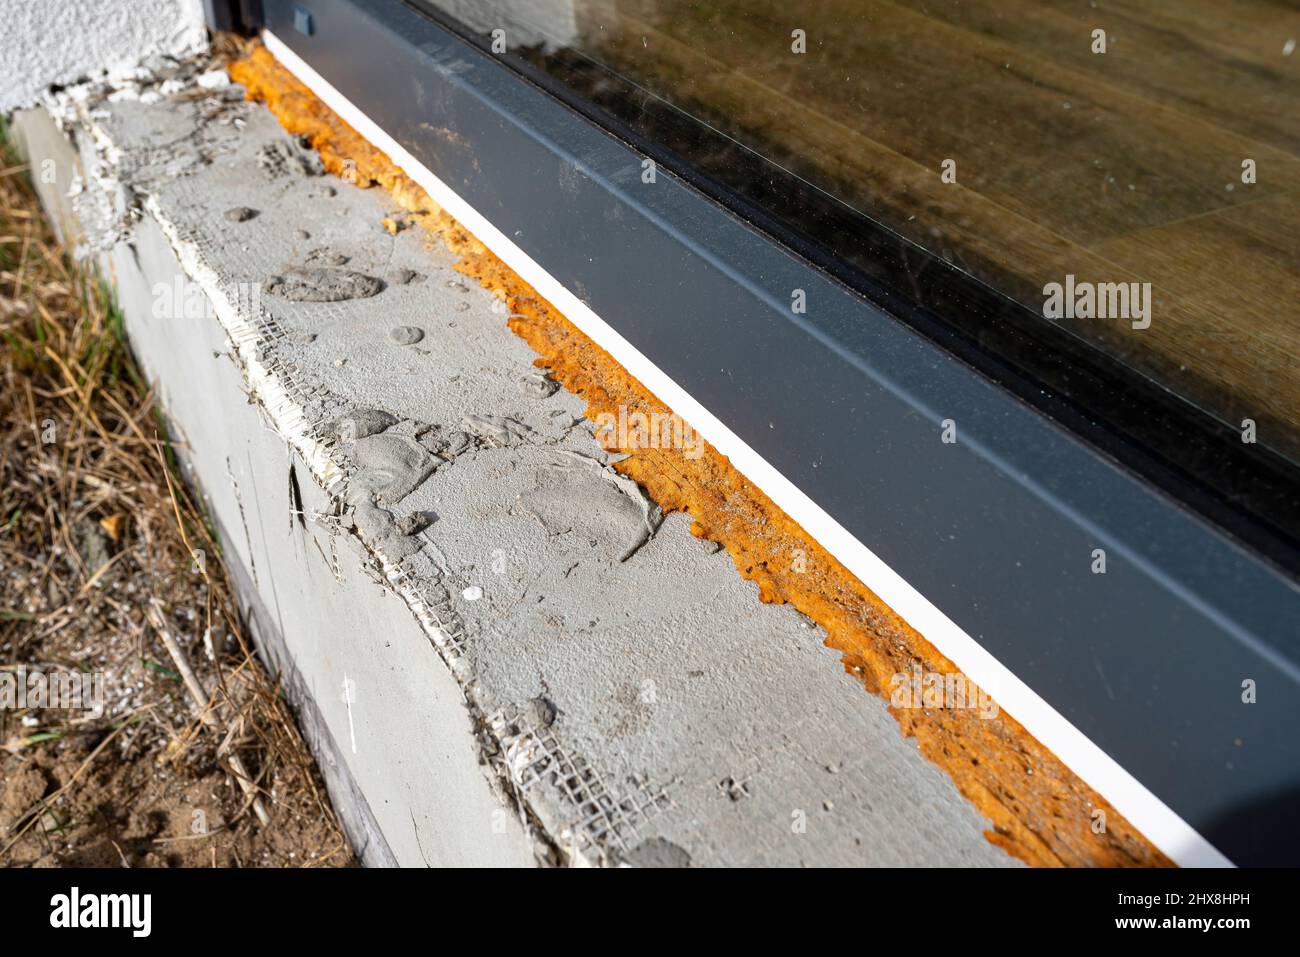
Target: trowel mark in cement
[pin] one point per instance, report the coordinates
(457, 442)
(391, 466)
(592, 501)
(542, 710)
(658, 852)
(323, 285)
(538, 386)
(406, 335)
(414, 523)
(381, 531)
(359, 423)
(496, 429)
(323, 256)
(286, 157)
(404, 277)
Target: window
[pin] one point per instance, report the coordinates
(1103, 200)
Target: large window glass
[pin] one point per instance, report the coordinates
(1123, 176)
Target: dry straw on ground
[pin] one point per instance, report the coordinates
(108, 566)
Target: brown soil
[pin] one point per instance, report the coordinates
(95, 526)
(1041, 812)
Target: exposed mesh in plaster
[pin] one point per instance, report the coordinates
(599, 822)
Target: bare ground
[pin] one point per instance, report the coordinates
(102, 551)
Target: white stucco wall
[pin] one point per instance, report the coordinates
(43, 42)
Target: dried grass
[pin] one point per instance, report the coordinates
(95, 524)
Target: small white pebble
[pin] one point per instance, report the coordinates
(214, 80)
(472, 593)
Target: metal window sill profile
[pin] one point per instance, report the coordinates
(985, 545)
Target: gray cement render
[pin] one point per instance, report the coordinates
(542, 668)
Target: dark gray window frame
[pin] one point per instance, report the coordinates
(997, 531)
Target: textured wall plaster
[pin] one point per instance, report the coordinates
(57, 42)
